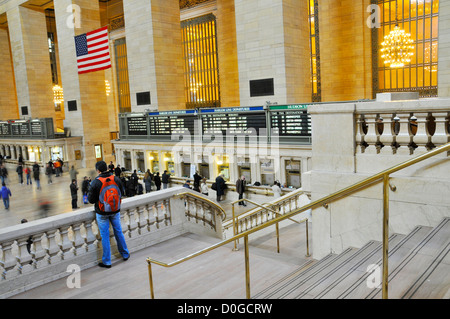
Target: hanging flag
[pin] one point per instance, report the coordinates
(93, 51)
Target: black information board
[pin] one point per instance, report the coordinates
(238, 121)
(290, 120)
(4, 128)
(168, 125)
(137, 125)
(36, 128)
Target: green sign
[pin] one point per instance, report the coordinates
(289, 107)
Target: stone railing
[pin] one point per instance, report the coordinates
(40, 251)
(404, 128)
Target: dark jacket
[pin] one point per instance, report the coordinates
(73, 190)
(240, 186)
(220, 184)
(165, 178)
(96, 185)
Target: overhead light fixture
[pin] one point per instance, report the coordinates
(397, 48)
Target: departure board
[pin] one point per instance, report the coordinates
(4, 128)
(238, 121)
(292, 120)
(172, 122)
(137, 125)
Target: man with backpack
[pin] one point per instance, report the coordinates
(106, 193)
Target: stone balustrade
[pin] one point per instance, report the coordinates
(411, 128)
(41, 251)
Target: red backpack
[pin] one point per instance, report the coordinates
(110, 195)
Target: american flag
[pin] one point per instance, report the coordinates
(93, 51)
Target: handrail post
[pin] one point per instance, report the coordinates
(234, 227)
(150, 278)
(307, 239)
(278, 237)
(385, 235)
(247, 268)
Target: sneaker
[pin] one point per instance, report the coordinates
(104, 266)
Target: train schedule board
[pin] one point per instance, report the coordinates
(236, 120)
(290, 120)
(172, 122)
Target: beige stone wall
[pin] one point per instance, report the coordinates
(345, 50)
(154, 53)
(8, 100)
(168, 54)
(297, 51)
(273, 42)
(91, 118)
(444, 50)
(227, 53)
(29, 47)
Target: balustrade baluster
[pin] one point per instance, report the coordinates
(440, 136)
(24, 258)
(8, 261)
(387, 135)
(52, 248)
(418, 129)
(143, 225)
(371, 137)
(39, 252)
(151, 216)
(66, 246)
(78, 240)
(403, 137)
(90, 236)
(133, 230)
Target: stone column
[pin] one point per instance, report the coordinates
(444, 50)
(345, 50)
(90, 119)
(8, 98)
(273, 43)
(154, 51)
(29, 47)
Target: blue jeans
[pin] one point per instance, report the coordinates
(6, 202)
(103, 222)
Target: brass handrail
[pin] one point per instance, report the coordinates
(277, 229)
(220, 208)
(382, 176)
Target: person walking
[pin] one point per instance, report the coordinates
(165, 179)
(36, 173)
(27, 172)
(4, 174)
(57, 165)
(197, 180)
(157, 180)
(73, 173)
(74, 193)
(106, 194)
(220, 187)
(85, 189)
(6, 193)
(49, 172)
(240, 189)
(19, 171)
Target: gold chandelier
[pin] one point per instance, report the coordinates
(397, 48)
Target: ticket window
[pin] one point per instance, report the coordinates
(267, 172)
(223, 167)
(140, 161)
(56, 152)
(127, 160)
(293, 175)
(204, 170)
(186, 167)
(153, 162)
(169, 164)
(244, 170)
